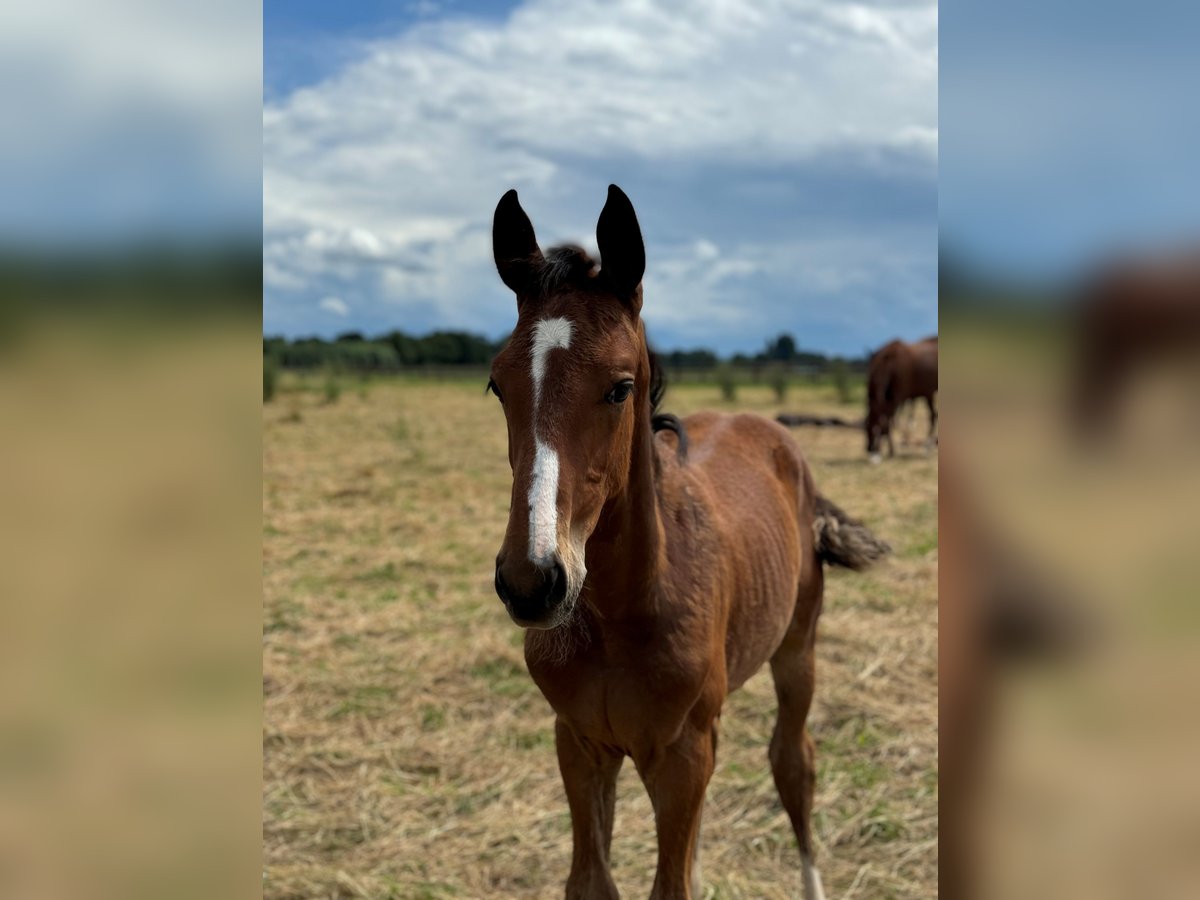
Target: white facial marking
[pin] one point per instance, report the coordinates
(548, 335)
(543, 505)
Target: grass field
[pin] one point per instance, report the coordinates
(407, 754)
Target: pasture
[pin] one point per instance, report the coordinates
(407, 753)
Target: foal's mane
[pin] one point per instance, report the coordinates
(664, 421)
(570, 264)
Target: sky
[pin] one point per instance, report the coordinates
(1071, 132)
(782, 158)
(129, 121)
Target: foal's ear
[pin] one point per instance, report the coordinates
(622, 253)
(514, 245)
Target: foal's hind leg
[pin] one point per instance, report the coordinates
(792, 751)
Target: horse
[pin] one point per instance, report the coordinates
(655, 563)
(1127, 315)
(896, 373)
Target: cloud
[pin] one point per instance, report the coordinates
(745, 132)
(335, 305)
(136, 119)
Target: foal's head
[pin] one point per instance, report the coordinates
(574, 379)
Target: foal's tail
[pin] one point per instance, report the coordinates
(843, 541)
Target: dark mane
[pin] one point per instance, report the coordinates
(565, 264)
(664, 421)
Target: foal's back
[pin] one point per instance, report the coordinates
(751, 497)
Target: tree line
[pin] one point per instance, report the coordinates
(391, 352)
(396, 351)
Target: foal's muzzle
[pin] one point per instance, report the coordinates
(532, 594)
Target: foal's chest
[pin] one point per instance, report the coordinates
(621, 699)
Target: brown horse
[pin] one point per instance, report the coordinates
(897, 373)
(654, 573)
(1128, 315)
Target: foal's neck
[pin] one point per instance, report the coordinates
(625, 560)
(625, 552)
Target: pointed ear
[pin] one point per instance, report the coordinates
(514, 245)
(622, 253)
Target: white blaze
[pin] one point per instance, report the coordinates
(543, 505)
(543, 487)
(548, 334)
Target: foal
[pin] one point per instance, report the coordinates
(654, 573)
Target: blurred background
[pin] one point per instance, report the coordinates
(130, 288)
(1069, 280)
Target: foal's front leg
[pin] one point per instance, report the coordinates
(589, 775)
(676, 779)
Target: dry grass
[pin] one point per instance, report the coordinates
(407, 753)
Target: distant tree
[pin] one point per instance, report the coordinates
(840, 372)
(727, 382)
(778, 380)
(782, 349)
(408, 349)
(698, 358)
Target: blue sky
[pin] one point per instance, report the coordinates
(783, 160)
(1071, 131)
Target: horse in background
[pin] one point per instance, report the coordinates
(897, 373)
(1128, 316)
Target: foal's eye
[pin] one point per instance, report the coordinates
(491, 387)
(620, 392)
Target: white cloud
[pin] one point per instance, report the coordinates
(383, 178)
(335, 305)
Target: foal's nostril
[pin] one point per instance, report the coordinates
(556, 584)
(531, 592)
(502, 588)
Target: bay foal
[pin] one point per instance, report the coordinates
(654, 573)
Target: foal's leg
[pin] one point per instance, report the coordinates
(697, 880)
(792, 751)
(933, 421)
(589, 775)
(676, 780)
